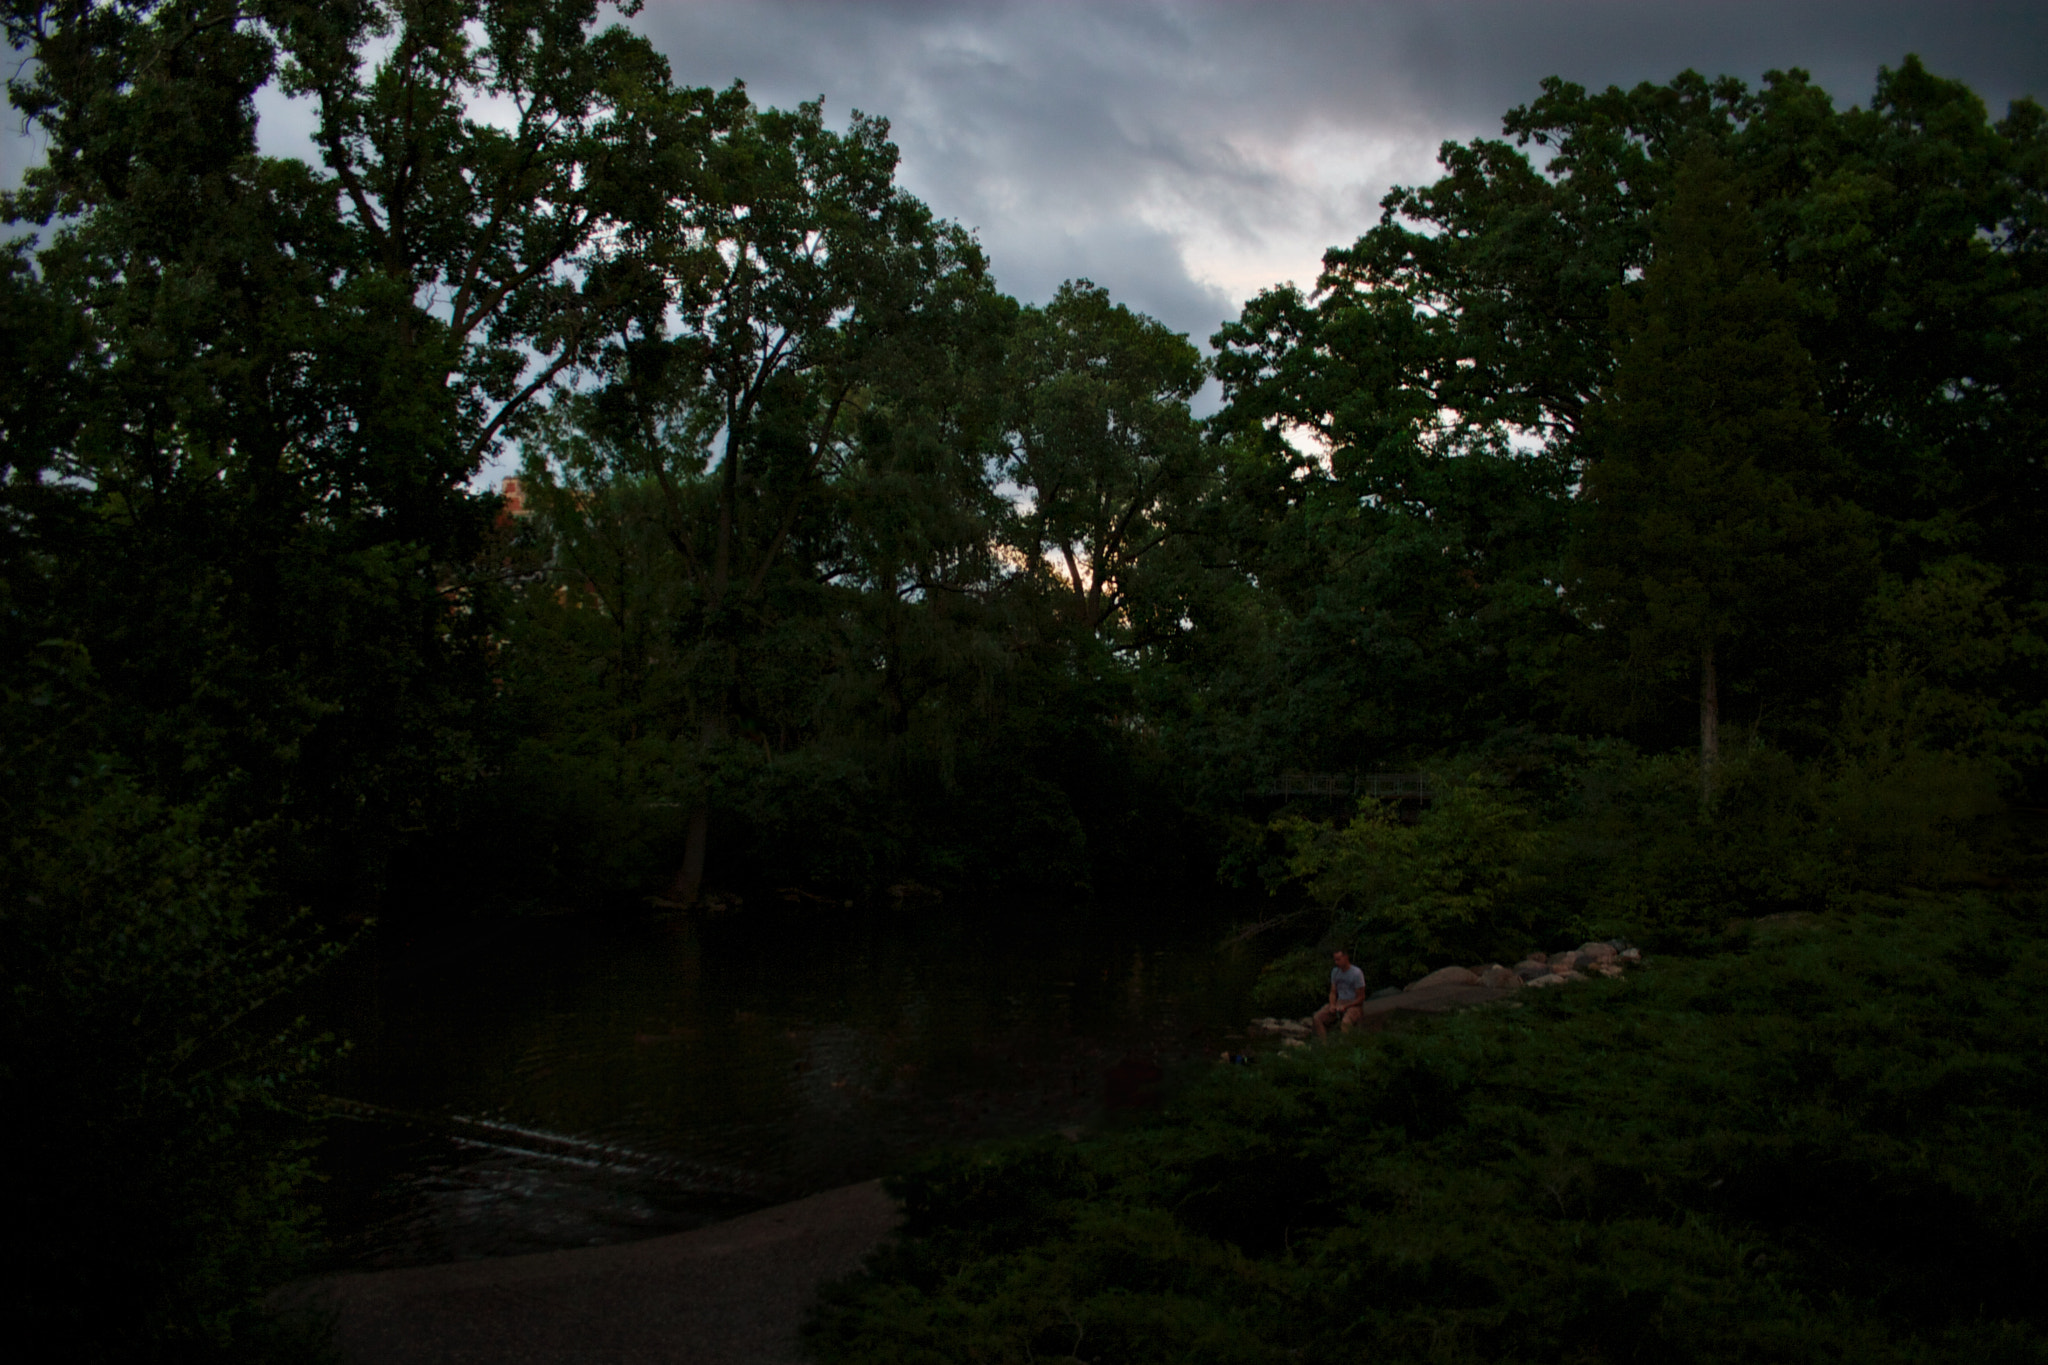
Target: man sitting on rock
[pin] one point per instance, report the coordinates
(1347, 993)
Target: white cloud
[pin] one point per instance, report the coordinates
(1186, 153)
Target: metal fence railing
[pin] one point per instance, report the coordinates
(1381, 786)
(1397, 786)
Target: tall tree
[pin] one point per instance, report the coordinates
(291, 372)
(233, 528)
(1102, 445)
(1907, 233)
(1713, 519)
(802, 292)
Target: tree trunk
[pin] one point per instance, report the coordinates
(1710, 727)
(689, 880)
(690, 876)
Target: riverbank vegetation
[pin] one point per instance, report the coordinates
(1664, 481)
(1821, 1143)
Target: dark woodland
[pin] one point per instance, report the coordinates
(1663, 483)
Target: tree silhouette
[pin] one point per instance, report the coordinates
(1709, 526)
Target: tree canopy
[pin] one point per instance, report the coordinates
(1684, 442)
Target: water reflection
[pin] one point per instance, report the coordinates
(559, 1083)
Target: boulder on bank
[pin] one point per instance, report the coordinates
(1441, 998)
(1446, 976)
(1456, 988)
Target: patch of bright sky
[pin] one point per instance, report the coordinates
(285, 125)
(1322, 189)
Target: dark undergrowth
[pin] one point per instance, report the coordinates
(1825, 1143)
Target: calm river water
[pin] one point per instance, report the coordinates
(569, 1082)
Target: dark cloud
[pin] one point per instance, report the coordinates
(1186, 154)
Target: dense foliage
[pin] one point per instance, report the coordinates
(1615, 447)
(1822, 1146)
(242, 649)
(1824, 340)
(1675, 502)
(1667, 444)
(875, 585)
(147, 1087)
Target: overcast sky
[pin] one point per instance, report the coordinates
(1184, 155)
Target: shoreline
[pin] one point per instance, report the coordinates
(735, 1293)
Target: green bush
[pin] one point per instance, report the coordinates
(1633, 854)
(1295, 983)
(1636, 856)
(1609, 842)
(1827, 1147)
(151, 1096)
(1455, 886)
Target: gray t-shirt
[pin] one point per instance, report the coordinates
(1349, 981)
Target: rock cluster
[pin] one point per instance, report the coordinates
(1588, 959)
(1453, 988)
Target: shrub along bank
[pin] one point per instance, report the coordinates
(1821, 1143)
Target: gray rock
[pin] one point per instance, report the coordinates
(1446, 976)
(1596, 952)
(1440, 999)
(1547, 979)
(1385, 991)
(1530, 970)
(1631, 954)
(1500, 978)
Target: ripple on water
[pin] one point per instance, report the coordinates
(556, 1083)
